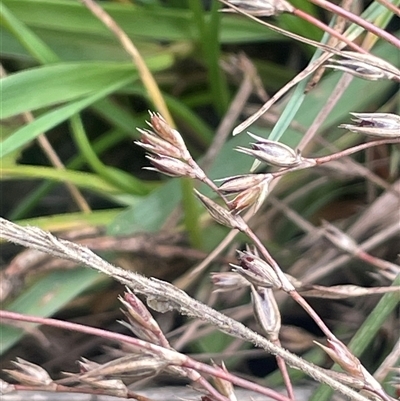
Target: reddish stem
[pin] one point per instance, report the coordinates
(354, 149)
(358, 20)
(301, 14)
(182, 360)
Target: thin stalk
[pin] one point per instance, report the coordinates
(116, 177)
(192, 213)
(28, 203)
(217, 79)
(172, 356)
(145, 74)
(209, 33)
(39, 50)
(301, 14)
(365, 334)
(358, 20)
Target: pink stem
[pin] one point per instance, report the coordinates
(358, 20)
(327, 28)
(152, 348)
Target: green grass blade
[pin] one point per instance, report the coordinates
(29, 202)
(116, 177)
(46, 297)
(60, 17)
(25, 36)
(365, 334)
(81, 179)
(49, 120)
(72, 221)
(57, 83)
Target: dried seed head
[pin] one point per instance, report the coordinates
(266, 311)
(154, 144)
(238, 183)
(343, 357)
(254, 196)
(359, 69)
(224, 386)
(29, 374)
(111, 386)
(85, 365)
(167, 133)
(170, 166)
(257, 271)
(219, 214)
(139, 330)
(272, 152)
(252, 189)
(385, 125)
(260, 8)
(5, 387)
(339, 238)
(365, 66)
(138, 310)
(228, 281)
(136, 366)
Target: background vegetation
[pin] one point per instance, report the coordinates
(71, 101)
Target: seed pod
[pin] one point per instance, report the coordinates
(219, 214)
(29, 373)
(261, 8)
(240, 183)
(225, 387)
(167, 133)
(385, 125)
(365, 66)
(260, 268)
(342, 356)
(266, 311)
(170, 166)
(138, 310)
(228, 281)
(272, 152)
(253, 196)
(155, 144)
